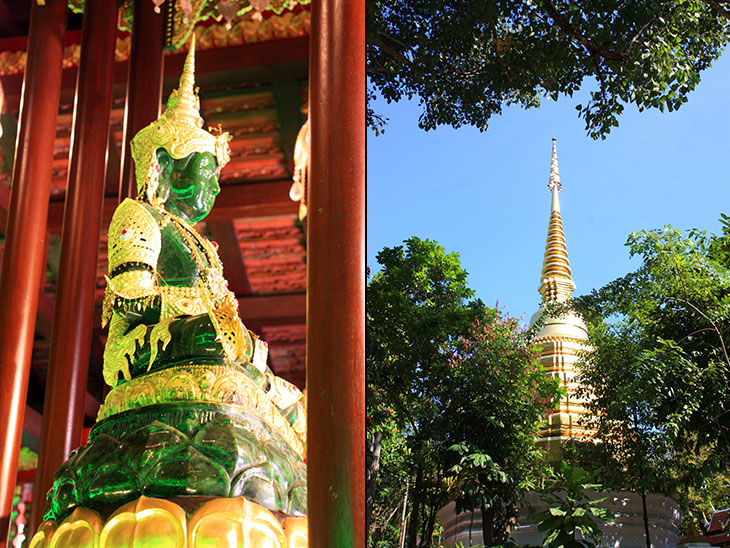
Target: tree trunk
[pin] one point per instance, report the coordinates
(424, 529)
(373, 465)
(415, 508)
(434, 503)
(429, 525)
(402, 538)
(646, 519)
(487, 525)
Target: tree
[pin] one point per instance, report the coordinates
(466, 60)
(443, 370)
(571, 511)
(633, 449)
(416, 308)
(387, 504)
(660, 372)
(499, 396)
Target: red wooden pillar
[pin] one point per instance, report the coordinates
(144, 85)
(63, 410)
(336, 276)
(23, 263)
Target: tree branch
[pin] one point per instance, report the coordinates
(722, 11)
(397, 55)
(591, 46)
(694, 333)
(495, 38)
(633, 40)
(601, 79)
(706, 317)
(596, 49)
(396, 400)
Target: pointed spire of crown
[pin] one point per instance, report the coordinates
(187, 78)
(556, 283)
(184, 104)
(179, 131)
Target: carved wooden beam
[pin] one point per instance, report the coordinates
(273, 309)
(258, 62)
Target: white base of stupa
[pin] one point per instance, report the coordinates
(627, 531)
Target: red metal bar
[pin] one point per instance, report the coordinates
(144, 85)
(23, 264)
(63, 410)
(336, 276)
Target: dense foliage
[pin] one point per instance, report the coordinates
(659, 373)
(573, 518)
(466, 60)
(417, 307)
(456, 391)
(499, 395)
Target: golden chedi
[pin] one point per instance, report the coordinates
(197, 444)
(562, 337)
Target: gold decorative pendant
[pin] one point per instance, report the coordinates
(159, 333)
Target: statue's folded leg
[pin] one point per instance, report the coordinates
(176, 340)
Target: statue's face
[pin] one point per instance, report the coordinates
(188, 186)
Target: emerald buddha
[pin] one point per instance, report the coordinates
(196, 428)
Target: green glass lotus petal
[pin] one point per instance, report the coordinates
(256, 484)
(187, 472)
(145, 447)
(112, 482)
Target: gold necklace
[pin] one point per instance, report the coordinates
(194, 240)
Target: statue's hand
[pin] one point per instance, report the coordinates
(159, 333)
(120, 348)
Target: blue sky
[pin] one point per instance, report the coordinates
(485, 195)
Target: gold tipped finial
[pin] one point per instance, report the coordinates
(184, 104)
(556, 282)
(187, 79)
(554, 173)
(179, 131)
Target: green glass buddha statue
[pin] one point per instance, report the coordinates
(195, 418)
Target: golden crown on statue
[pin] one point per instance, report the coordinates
(179, 131)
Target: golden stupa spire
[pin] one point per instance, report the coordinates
(554, 171)
(556, 283)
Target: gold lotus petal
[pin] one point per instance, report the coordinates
(262, 535)
(295, 531)
(181, 386)
(217, 532)
(226, 389)
(234, 523)
(43, 535)
(79, 530)
(145, 522)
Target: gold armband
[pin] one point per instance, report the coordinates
(134, 236)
